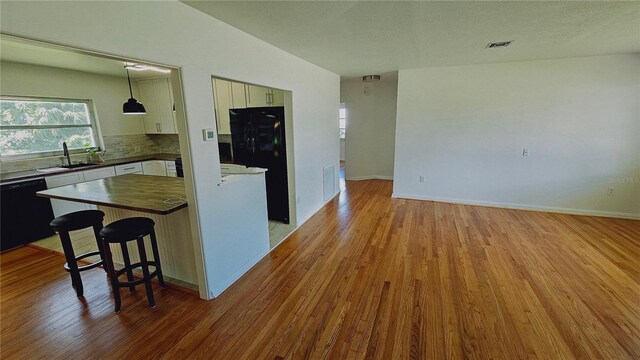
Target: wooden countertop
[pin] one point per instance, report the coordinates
(31, 174)
(153, 194)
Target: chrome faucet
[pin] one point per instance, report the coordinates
(65, 152)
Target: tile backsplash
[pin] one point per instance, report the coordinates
(117, 146)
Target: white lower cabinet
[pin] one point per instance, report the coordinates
(151, 167)
(171, 168)
(96, 174)
(132, 168)
(154, 167)
(62, 207)
(100, 173)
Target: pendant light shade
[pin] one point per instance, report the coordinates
(132, 106)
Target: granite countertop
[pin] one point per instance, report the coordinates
(25, 175)
(152, 194)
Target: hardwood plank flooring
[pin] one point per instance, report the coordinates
(367, 277)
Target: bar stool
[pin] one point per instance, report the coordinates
(76, 221)
(121, 232)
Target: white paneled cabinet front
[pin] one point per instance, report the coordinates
(258, 96)
(100, 173)
(62, 207)
(157, 97)
(154, 167)
(277, 97)
(133, 168)
(223, 101)
(96, 174)
(171, 168)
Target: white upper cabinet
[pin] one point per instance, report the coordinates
(223, 101)
(238, 96)
(277, 97)
(260, 96)
(257, 96)
(234, 95)
(157, 97)
(227, 95)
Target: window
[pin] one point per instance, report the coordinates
(343, 120)
(31, 127)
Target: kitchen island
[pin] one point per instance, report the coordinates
(160, 198)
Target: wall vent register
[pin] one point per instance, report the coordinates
(500, 44)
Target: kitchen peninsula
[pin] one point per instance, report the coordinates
(160, 198)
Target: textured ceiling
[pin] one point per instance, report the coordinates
(361, 37)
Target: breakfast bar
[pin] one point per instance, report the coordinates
(159, 198)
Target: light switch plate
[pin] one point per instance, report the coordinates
(208, 134)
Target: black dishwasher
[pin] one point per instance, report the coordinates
(24, 217)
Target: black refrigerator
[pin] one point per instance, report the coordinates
(258, 140)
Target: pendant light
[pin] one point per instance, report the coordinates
(132, 106)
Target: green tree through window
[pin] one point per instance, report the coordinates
(38, 126)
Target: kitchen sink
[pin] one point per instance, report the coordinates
(73, 166)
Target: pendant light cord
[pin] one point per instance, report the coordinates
(129, 78)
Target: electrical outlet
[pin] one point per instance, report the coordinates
(610, 191)
(525, 152)
(136, 149)
(421, 179)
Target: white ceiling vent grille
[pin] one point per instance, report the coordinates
(500, 44)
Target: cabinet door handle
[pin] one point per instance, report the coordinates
(267, 96)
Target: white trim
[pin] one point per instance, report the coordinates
(560, 210)
(226, 283)
(369, 177)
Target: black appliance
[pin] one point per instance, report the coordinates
(258, 140)
(224, 149)
(24, 217)
(179, 170)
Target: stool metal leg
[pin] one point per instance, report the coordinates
(156, 257)
(127, 264)
(113, 279)
(70, 256)
(145, 271)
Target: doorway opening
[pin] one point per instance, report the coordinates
(147, 140)
(254, 128)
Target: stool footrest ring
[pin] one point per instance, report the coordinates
(84, 256)
(124, 270)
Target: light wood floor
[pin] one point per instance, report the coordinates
(366, 277)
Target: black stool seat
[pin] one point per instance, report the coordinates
(127, 229)
(76, 221)
(121, 232)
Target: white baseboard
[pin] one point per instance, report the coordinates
(560, 210)
(238, 273)
(369, 177)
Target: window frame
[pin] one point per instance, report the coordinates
(93, 124)
(342, 134)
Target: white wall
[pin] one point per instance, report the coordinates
(107, 93)
(175, 34)
(464, 128)
(371, 123)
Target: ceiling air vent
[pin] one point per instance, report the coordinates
(500, 44)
